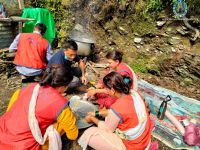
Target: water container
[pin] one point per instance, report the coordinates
(163, 108)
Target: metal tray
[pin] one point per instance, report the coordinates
(80, 108)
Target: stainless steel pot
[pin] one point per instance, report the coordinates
(84, 40)
(84, 49)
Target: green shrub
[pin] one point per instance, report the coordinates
(61, 14)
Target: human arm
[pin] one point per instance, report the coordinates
(100, 84)
(66, 122)
(91, 119)
(14, 44)
(102, 112)
(92, 92)
(49, 52)
(82, 67)
(91, 116)
(111, 121)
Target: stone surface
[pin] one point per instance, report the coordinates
(122, 30)
(160, 23)
(137, 40)
(196, 49)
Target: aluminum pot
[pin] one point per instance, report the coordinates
(84, 40)
(84, 49)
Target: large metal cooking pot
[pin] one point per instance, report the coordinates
(84, 40)
(84, 49)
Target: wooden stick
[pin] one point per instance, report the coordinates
(4, 50)
(100, 65)
(89, 65)
(19, 2)
(6, 62)
(10, 55)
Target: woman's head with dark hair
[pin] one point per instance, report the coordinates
(114, 55)
(114, 58)
(126, 77)
(116, 81)
(56, 76)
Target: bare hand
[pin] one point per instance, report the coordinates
(91, 93)
(89, 118)
(91, 88)
(104, 112)
(84, 80)
(91, 113)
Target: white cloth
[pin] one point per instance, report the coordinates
(52, 134)
(135, 82)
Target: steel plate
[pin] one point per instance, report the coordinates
(80, 108)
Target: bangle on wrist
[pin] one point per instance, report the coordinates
(97, 114)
